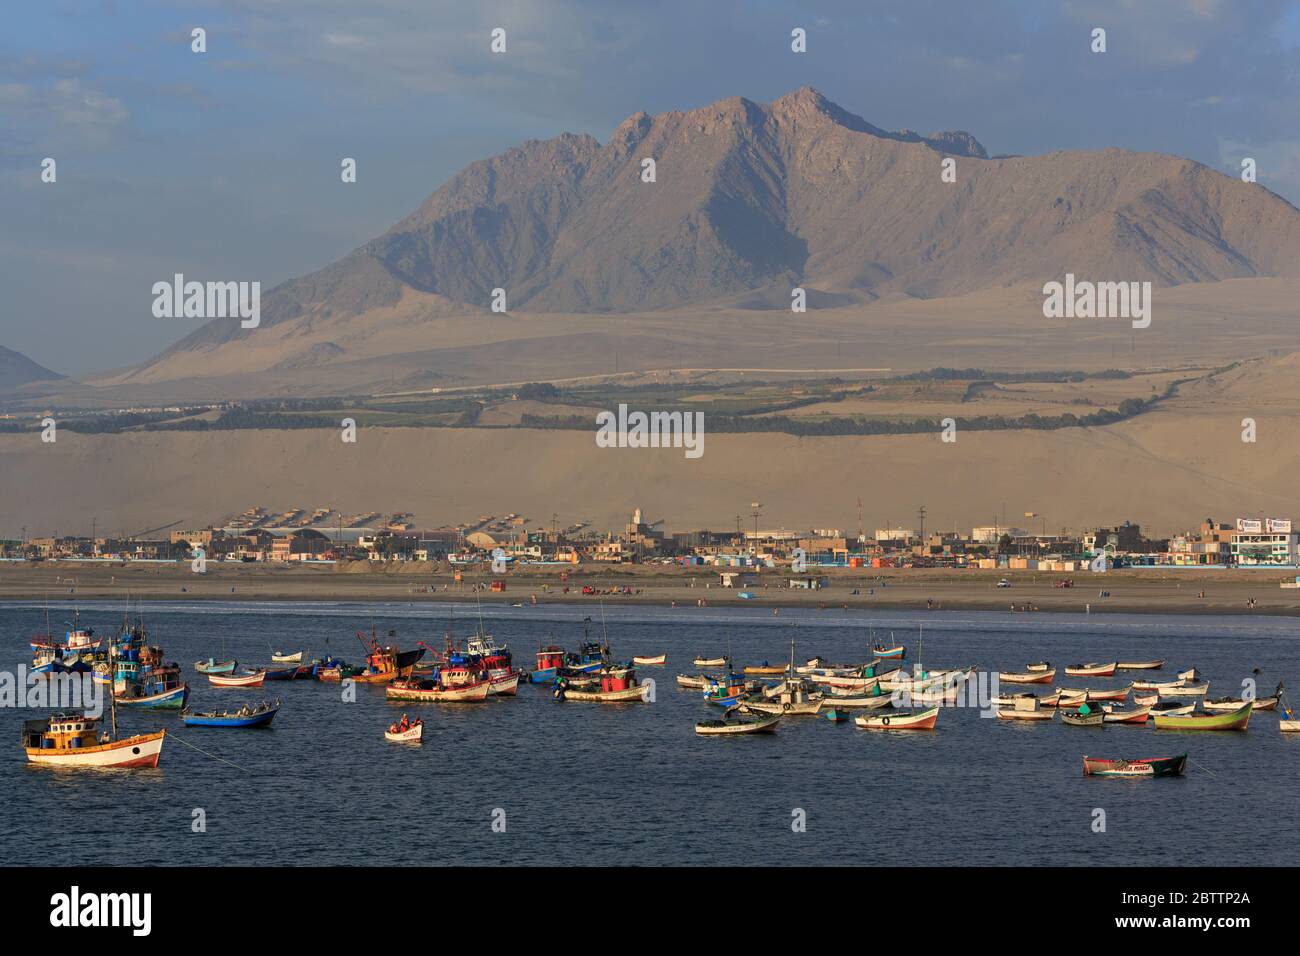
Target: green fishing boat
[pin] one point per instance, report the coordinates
(1237, 720)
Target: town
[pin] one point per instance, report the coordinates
(323, 536)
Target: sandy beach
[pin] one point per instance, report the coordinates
(1156, 591)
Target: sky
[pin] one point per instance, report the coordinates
(225, 164)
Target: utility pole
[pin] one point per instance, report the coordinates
(755, 513)
(920, 513)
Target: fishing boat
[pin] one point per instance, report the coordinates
(550, 659)
(505, 686)
(434, 692)
(170, 698)
(693, 681)
(1085, 716)
(280, 657)
(214, 666)
(1135, 715)
(1032, 677)
(1141, 665)
(1091, 669)
(1236, 720)
(860, 701)
(1146, 700)
(1289, 726)
(792, 701)
(1009, 700)
(764, 670)
(838, 715)
(1222, 704)
(1039, 667)
(1093, 693)
(1142, 767)
(734, 723)
(284, 673)
(899, 720)
(1187, 690)
(710, 662)
(618, 685)
(1192, 674)
(1158, 684)
(73, 740)
(1173, 708)
(385, 662)
(1010, 713)
(650, 661)
(246, 716)
(890, 653)
(413, 734)
(255, 679)
(333, 669)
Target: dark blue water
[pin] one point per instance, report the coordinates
(591, 783)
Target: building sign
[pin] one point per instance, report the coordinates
(1279, 525)
(1250, 525)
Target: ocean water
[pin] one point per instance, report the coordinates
(583, 783)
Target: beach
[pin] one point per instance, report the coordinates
(1132, 591)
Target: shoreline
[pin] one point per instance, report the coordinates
(1145, 591)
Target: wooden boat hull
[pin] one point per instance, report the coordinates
(707, 728)
(650, 661)
(507, 686)
(1237, 720)
(692, 683)
(243, 680)
(709, 661)
(413, 736)
(1141, 665)
(890, 653)
(1092, 670)
(1191, 690)
(173, 699)
(1034, 677)
(287, 658)
(1114, 694)
(1094, 719)
(262, 719)
(142, 750)
(216, 667)
(1236, 703)
(1009, 714)
(1289, 726)
(1138, 715)
(1144, 767)
(764, 671)
(1037, 668)
(910, 720)
(464, 694)
(627, 695)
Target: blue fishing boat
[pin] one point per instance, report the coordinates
(214, 666)
(288, 673)
(168, 698)
(259, 716)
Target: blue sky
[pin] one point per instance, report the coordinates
(225, 165)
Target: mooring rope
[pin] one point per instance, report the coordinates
(1202, 766)
(175, 736)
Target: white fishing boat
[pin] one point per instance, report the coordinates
(281, 657)
(1186, 690)
(73, 740)
(899, 720)
(1193, 675)
(412, 735)
(733, 723)
(710, 662)
(650, 661)
(694, 681)
(1134, 715)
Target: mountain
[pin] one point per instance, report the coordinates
(750, 200)
(17, 369)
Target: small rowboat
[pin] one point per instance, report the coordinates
(894, 653)
(784, 708)
(693, 682)
(764, 670)
(1237, 720)
(1289, 726)
(260, 716)
(1193, 675)
(1144, 767)
(839, 716)
(860, 701)
(856, 684)
(1091, 669)
(737, 724)
(650, 661)
(1141, 665)
(1187, 690)
(1159, 684)
(1138, 715)
(1008, 713)
(412, 735)
(280, 657)
(1113, 693)
(1038, 667)
(1009, 700)
(1034, 677)
(1173, 708)
(1223, 704)
(214, 666)
(900, 720)
(432, 693)
(1077, 718)
(1146, 700)
(286, 673)
(710, 662)
(237, 680)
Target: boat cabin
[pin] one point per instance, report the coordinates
(550, 656)
(61, 732)
(618, 679)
